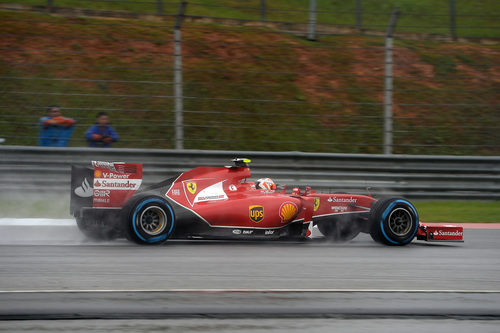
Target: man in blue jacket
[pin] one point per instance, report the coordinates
(55, 130)
(101, 134)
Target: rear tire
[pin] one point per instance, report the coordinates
(148, 220)
(393, 221)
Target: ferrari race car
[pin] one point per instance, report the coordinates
(108, 202)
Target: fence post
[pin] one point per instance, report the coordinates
(388, 84)
(50, 6)
(311, 27)
(159, 7)
(453, 31)
(178, 97)
(263, 7)
(359, 14)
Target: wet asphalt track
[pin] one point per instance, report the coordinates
(52, 272)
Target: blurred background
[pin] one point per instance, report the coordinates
(356, 76)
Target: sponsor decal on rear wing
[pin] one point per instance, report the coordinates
(107, 184)
(114, 183)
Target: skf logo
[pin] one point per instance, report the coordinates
(191, 186)
(288, 211)
(256, 213)
(316, 204)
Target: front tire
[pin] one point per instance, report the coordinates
(148, 220)
(394, 221)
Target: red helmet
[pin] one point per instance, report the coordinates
(265, 184)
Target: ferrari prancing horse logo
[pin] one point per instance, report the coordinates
(191, 186)
(316, 203)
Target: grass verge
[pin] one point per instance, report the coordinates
(424, 16)
(459, 211)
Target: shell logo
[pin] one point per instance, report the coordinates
(97, 174)
(288, 211)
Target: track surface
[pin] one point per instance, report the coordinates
(52, 272)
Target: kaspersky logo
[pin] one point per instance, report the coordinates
(85, 190)
(256, 213)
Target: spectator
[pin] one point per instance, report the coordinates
(101, 134)
(55, 130)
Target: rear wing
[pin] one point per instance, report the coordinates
(104, 185)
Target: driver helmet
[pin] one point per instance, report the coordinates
(265, 184)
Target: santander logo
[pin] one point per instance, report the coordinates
(85, 190)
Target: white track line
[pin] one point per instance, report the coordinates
(216, 291)
(36, 222)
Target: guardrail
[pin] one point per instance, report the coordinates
(47, 170)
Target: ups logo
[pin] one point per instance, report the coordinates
(256, 213)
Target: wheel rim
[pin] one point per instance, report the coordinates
(153, 220)
(400, 221)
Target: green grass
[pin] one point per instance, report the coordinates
(459, 211)
(423, 16)
(57, 207)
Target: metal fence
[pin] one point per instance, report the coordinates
(457, 18)
(44, 170)
(244, 84)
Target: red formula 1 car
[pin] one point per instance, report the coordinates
(219, 203)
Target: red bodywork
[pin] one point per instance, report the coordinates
(222, 197)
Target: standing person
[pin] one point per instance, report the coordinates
(101, 134)
(55, 130)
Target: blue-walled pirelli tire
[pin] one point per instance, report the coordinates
(393, 221)
(148, 220)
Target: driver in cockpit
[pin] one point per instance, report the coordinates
(265, 184)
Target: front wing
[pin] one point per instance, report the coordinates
(440, 233)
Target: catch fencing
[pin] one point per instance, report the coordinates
(252, 78)
(43, 170)
(455, 18)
